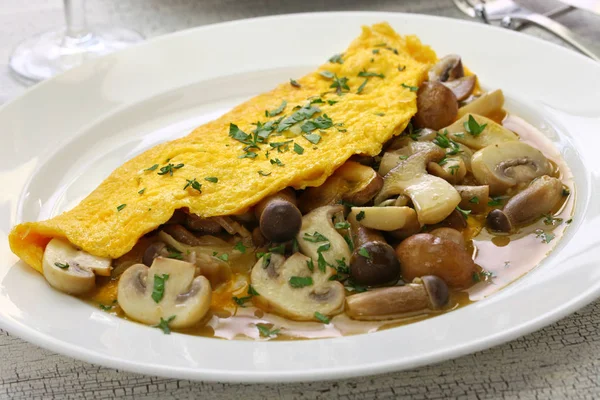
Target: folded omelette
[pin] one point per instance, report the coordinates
(295, 135)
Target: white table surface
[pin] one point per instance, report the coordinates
(560, 361)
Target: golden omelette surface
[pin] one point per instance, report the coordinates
(133, 201)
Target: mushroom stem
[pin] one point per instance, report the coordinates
(422, 296)
(279, 218)
(373, 261)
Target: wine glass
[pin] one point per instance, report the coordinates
(49, 53)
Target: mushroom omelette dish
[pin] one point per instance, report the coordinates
(383, 188)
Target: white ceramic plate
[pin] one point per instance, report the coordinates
(60, 139)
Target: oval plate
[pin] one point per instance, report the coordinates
(62, 137)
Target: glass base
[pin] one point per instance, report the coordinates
(51, 53)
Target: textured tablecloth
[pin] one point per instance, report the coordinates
(560, 361)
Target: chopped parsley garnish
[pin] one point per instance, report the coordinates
(281, 146)
(276, 161)
(315, 237)
(545, 236)
(406, 157)
(349, 242)
(453, 169)
(443, 161)
(298, 149)
(375, 51)
(152, 168)
(211, 179)
(317, 100)
(164, 324)
(142, 191)
(278, 249)
(380, 114)
(61, 265)
(314, 138)
(340, 84)
(362, 86)
(122, 206)
(252, 291)
(310, 264)
(322, 318)
(364, 252)
(194, 184)
(239, 246)
(159, 287)
(411, 88)
(303, 113)
(176, 254)
(495, 201)
(472, 127)
(569, 221)
(354, 287)
(401, 68)
(566, 192)
(342, 225)
(332, 102)
(295, 246)
(444, 142)
(240, 301)
(108, 307)
(262, 173)
(265, 331)
(276, 111)
(483, 274)
(327, 74)
(266, 257)
(248, 154)
(299, 282)
(506, 264)
(321, 263)
(321, 122)
(474, 200)
(552, 220)
(360, 216)
(169, 169)
(337, 58)
(223, 257)
(294, 83)
(464, 213)
(365, 74)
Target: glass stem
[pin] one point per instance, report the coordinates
(77, 30)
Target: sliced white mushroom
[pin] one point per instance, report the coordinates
(506, 165)
(474, 198)
(433, 198)
(319, 236)
(492, 133)
(291, 289)
(384, 218)
(183, 296)
(486, 105)
(453, 169)
(71, 270)
(392, 158)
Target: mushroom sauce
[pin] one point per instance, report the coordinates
(462, 203)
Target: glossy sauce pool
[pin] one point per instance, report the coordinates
(503, 259)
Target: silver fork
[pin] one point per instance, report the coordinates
(508, 12)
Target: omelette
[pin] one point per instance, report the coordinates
(295, 136)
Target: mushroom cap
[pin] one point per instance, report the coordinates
(391, 159)
(448, 68)
(154, 250)
(272, 280)
(320, 221)
(498, 221)
(462, 87)
(186, 297)
(433, 198)
(493, 133)
(505, 165)
(79, 275)
(437, 106)
(437, 291)
(388, 218)
(379, 268)
(280, 220)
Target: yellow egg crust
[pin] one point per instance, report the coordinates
(133, 200)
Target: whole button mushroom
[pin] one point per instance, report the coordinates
(71, 270)
(373, 261)
(424, 295)
(427, 254)
(539, 198)
(437, 106)
(165, 290)
(449, 71)
(279, 218)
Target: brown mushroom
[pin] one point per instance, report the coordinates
(154, 250)
(448, 68)
(539, 198)
(462, 87)
(279, 218)
(181, 234)
(437, 106)
(426, 254)
(203, 226)
(373, 261)
(352, 182)
(422, 296)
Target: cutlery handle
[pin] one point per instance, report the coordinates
(562, 32)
